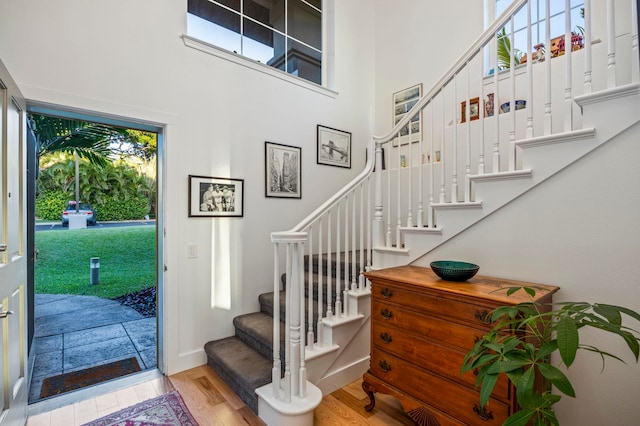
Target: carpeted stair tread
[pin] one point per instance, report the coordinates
(256, 330)
(242, 367)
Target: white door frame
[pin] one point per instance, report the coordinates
(159, 129)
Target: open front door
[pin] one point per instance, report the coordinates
(13, 259)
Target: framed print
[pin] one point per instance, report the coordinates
(215, 197)
(403, 101)
(474, 109)
(334, 147)
(282, 171)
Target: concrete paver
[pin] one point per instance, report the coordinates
(78, 332)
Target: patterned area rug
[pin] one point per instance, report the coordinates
(165, 410)
(78, 379)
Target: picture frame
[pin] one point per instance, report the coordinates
(333, 147)
(283, 170)
(474, 110)
(403, 101)
(215, 197)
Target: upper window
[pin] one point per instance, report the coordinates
(538, 22)
(285, 34)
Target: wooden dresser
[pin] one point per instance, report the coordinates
(421, 329)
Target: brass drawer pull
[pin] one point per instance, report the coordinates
(386, 293)
(386, 314)
(482, 413)
(385, 337)
(384, 365)
(484, 317)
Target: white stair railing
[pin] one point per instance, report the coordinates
(372, 211)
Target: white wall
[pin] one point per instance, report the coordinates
(127, 59)
(417, 41)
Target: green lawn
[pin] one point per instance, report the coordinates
(127, 260)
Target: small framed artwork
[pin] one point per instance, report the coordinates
(403, 101)
(282, 171)
(215, 197)
(334, 147)
(474, 109)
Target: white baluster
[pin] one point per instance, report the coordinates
(548, 129)
(310, 335)
(442, 152)
(512, 101)
(431, 161)
(496, 107)
(529, 75)
(338, 306)
(320, 284)
(454, 146)
(568, 53)
(635, 62)
(410, 178)
(611, 45)
(277, 366)
(329, 266)
(587, 48)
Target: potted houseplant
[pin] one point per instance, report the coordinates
(524, 337)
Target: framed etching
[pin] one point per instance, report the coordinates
(403, 101)
(334, 147)
(215, 197)
(282, 166)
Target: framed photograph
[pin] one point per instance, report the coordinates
(215, 197)
(334, 147)
(282, 164)
(474, 109)
(403, 101)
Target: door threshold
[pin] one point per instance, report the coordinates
(92, 391)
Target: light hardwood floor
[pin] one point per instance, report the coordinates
(212, 402)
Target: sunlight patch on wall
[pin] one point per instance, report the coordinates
(220, 265)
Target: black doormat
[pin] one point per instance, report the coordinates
(74, 380)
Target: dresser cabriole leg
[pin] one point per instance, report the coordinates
(368, 389)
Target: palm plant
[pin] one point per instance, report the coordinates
(88, 140)
(504, 51)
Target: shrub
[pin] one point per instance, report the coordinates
(49, 205)
(120, 209)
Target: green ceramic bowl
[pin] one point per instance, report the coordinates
(453, 270)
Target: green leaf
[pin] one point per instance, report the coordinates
(557, 378)
(519, 418)
(488, 384)
(568, 339)
(525, 390)
(506, 366)
(609, 312)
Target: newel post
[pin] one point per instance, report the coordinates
(290, 398)
(378, 217)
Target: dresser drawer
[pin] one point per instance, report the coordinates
(463, 312)
(430, 356)
(432, 328)
(458, 400)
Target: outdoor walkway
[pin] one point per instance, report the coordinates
(77, 332)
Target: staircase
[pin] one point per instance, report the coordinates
(244, 360)
(397, 213)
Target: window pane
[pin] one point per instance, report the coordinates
(257, 42)
(216, 14)
(304, 62)
(214, 34)
(304, 23)
(270, 14)
(279, 45)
